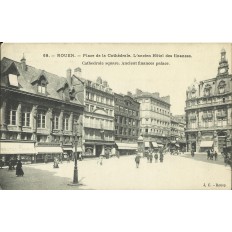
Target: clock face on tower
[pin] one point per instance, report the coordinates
(223, 70)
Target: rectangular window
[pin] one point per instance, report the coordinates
(87, 95)
(56, 122)
(107, 101)
(41, 89)
(65, 122)
(91, 108)
(26, 113)
(41, 118)
(87, 107)
(12, 115)
(111, 112)
(97, 98)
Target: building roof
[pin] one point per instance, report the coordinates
(30, 75)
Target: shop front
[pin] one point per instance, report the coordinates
(17, 150)
(47, 153)
(93, 149)
(126, 148)
(206, 145)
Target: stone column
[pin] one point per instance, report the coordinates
(61, 125)
(19, 120)
(3, 118)
(50, 124)
(198, 141)
(215, 141)
(229, 115)
(94, 150)
(70, 124)
(34, 122)
(214, 116)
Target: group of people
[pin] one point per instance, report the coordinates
(211, 155)
(150, 155)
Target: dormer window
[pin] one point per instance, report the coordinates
(72, 94)
(193, 93)
(42, 83)
(13, 80)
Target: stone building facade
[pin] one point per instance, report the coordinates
(154, 118)
(98, 117)
(127, 123)
(38, 109)
(208, 111)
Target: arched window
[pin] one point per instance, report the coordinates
(221, 87)
(207, 90)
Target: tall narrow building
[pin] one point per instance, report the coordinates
(154, 118)
(98, 117)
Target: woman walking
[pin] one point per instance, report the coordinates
(19, 170)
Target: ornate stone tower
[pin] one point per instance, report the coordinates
(223, 68)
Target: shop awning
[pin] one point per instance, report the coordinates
(154, 144)
(8, 148)
(48, 149)
(67, 148)
(127, 146)
(206, 144)
(160, 145)
(147, 144)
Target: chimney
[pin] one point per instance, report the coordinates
(23, 63)
(129, 93)
(68, 76)
(138, 91)
(77, 72)
(105, 83)
(156, 94)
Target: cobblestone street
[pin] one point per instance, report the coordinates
(177, 172)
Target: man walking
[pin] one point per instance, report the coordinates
(137, 160)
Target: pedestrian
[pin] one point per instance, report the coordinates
(192, 153)
(45, 159)
(61, 158)
(100, 161)
(1, 163)
(10, 164)
(156, 157)
(68, 158)
(150, 158)
(80, 157)
(161, 157)
(137, 160)
(19, 170)
(215, 155)
(208, 154)
(56, 163)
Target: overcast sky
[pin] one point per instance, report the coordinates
(172, 79)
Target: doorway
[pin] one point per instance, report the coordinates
(98, 150)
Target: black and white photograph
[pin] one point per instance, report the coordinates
(116, 116)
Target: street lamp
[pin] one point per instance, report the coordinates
(75, 173)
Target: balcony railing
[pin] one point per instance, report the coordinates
(209, 104)
(97, 126)
(221, 115)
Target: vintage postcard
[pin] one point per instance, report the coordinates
(116, 116)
